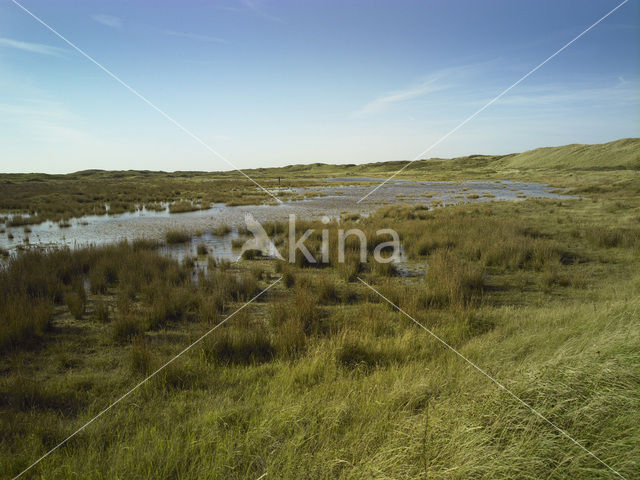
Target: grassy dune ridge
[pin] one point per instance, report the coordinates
(563, 161)
(320, 378)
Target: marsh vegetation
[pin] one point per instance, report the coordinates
(320, 377)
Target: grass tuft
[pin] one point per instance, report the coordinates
(177, 236)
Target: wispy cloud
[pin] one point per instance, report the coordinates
(430, 85)
(42, 120)
(32, 47)
(108, 20)
(195, 36)
(564, 95)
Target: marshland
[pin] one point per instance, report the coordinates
(328, 373)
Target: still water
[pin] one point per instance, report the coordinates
(332, 201)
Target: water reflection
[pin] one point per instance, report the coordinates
(333, 201)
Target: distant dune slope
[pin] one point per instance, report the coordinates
(617, 155)
(624, 153)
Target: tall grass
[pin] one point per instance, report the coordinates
(35, 281)
(239, 346)
(25, 318)
(102, 311)
(304, 382)
(177, 236)
(222, 229)
(22, 220)
(182, 207)
(451, 282)
(76, 304)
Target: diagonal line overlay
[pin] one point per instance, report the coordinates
(139, 384)
(500, 385)
(491, 102)
(144, 99)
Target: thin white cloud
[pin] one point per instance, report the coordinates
(195, 36)
(32, 47)
(565, 95)
(108, 20)
(378, 104)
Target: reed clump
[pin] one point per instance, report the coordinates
(183, 206)
(177, 236)
(239, 346)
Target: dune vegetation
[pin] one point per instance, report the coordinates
(33, 198)
(320, 376)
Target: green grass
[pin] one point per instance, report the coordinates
(91, 192)
(320, 377)
(98, 192)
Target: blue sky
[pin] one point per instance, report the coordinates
(269, 83)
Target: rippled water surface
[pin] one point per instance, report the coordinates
(332, 201)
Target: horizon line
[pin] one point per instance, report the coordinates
(231, 170)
